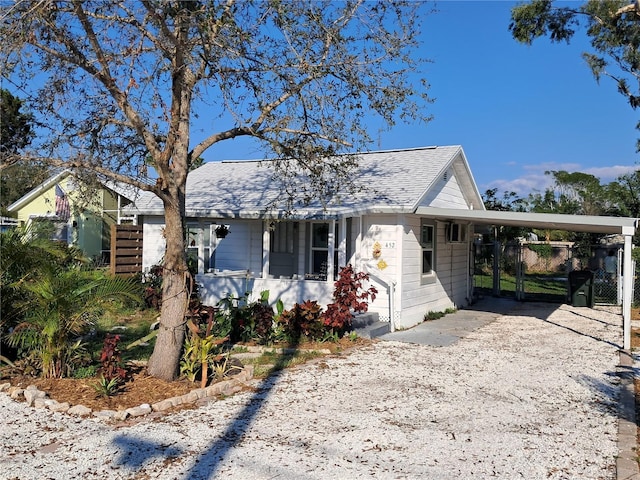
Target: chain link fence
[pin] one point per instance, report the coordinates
(540, 271)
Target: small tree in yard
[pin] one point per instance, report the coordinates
(121, 83)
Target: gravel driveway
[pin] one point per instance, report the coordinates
(531, 395)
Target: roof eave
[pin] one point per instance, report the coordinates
(576, 223)
(44, 186)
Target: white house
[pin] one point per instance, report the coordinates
(243, 241)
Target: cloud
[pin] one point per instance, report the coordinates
(534, 179)
(608, 174)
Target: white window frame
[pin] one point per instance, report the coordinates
(204, 249)
(427, 246)
(457, 232)
(313, 249)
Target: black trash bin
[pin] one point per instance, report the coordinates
(581, 288)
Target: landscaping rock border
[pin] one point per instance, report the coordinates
(36, 398)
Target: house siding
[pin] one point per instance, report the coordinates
(240, 250)
(43, 204)
(446, 193)
(234, 251)
(154, 245)
(383, 269)
(449, 288)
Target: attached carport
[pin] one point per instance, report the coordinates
(574, 223)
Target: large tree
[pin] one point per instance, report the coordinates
(613, 27)
(120, 83)
(16, 132)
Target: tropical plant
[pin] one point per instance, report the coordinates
(110, 359)
(58, 307)
(26, 252)
(221, 368)
(245, 321)
(198, 354)
(303, 320)
(152, 281)
(106, 387)
(349, 297)
(190, 364)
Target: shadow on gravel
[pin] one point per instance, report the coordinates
(608, 395)
(136, 452)
(578, 332)
(208, 461)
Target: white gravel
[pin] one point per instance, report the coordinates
(527, 396)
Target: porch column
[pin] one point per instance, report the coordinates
(342, 242)
(627, 287)
(358, 247)
(332, 248)
(266, 245)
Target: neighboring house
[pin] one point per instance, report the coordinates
(243, 241)
(7, 223)
(79, 218)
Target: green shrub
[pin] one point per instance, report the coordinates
(85, 372)
(304, 320)
(57, 307)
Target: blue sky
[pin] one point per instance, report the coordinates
(516, 110)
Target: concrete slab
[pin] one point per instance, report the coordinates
(454, 326)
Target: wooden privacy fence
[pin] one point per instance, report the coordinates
(126, 249)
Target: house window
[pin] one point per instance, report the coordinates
(200, 248)
(319, 250)
(457, 232)
(427, 243)
(282, 237)
(55, 230)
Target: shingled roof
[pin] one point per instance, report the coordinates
(385, 181)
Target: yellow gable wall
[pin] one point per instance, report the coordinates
(87, 226)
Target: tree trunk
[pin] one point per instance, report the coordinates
(165, 360)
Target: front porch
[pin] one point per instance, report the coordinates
(218, 285)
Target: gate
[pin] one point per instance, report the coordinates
(539, 271)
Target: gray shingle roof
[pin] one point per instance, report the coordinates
(394, 180)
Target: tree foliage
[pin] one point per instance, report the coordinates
(121, 84)
(573, 193)
(16, 133)
(613, 27)
(15, 126)
(624, 195)
(508, 202)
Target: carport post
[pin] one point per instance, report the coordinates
(496, 267)
(627, 286)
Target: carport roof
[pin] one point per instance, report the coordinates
(574, 223)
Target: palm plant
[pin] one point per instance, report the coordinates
(59, 306)
(24, 252)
